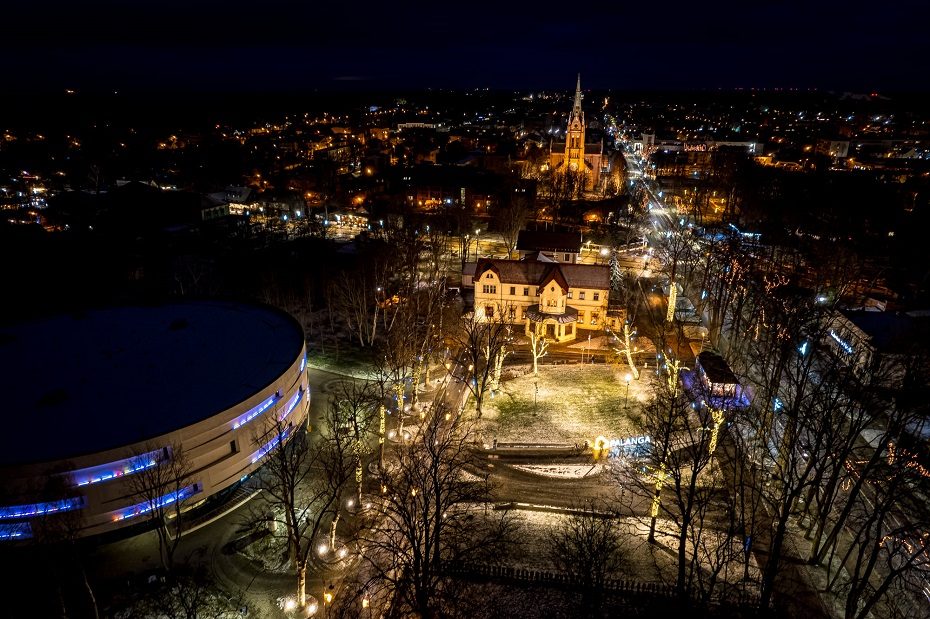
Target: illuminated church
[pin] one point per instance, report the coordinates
(574, 155)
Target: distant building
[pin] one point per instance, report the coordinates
(575, 155)
(555, 298)
(882, 345)
(833, 148)
(558, 246)
(231, 201)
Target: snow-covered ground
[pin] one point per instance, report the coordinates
(643, 562)
(573, 404)
(571, 471)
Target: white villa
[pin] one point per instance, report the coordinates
(556, 299)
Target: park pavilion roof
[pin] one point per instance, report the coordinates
(716, 368)
(535, 314)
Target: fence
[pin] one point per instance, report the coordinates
(562, 580)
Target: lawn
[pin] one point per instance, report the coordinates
(574, 403)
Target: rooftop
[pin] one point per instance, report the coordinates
(537, 272)
(893, 332)
(541, 240)
(79, 384)
(716, 368)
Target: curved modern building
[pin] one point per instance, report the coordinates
(91, 400)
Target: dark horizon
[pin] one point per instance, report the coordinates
(282, 46)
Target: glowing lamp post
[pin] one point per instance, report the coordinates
(626, 395)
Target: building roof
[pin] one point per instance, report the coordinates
(84, 383)
(893, 332)
(537, 273)
(540, 240)
(537, 256)
(716, 368)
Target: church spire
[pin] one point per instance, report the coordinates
(576, 110)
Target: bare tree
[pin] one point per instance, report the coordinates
(483, 340)
(355, 407)
(57, 534)
(511, 218)
(626, 349)
(303, 477)
(588, 546)
(163, 483)
(539, 345)
(432, 517)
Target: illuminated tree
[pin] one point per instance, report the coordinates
(625, 350)
(539, 345)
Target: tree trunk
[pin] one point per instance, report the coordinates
(302, 585)
(332, 534)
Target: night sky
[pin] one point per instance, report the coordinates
(297, 46)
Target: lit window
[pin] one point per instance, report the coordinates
(594, 318)
(146, 506)
(512, 312)
(581, 295)
(112, 470)
(255, 412)
(526, 291)
(292, 404)
(489, 289)
(570, 293)
(39, 509)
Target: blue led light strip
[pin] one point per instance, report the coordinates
(258, 455)
(39, 509)
(17, 530)
(255, 412)
(843, 344)
(303, 363)
(147, 506)
(111, 470)
(292, 404)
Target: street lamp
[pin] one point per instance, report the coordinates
(626, 397)
(328, 598)
(477, 242)
(536, 397)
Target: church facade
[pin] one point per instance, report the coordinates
(575, 155)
